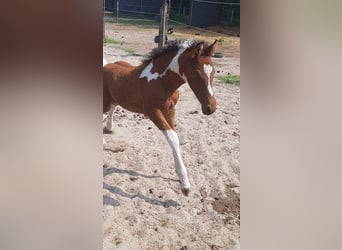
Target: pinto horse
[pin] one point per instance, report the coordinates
(152, 89)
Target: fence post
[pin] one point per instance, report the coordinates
(191, 7)
(231, 17)
(117, 10)
(168, 9)
(162, 25)
(179, 7)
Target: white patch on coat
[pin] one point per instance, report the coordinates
(208, 69)
(148, 74)
(173, 65)
(104, 62)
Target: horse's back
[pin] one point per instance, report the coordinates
(113, 71)
(120, 85)
(118, 67)
(111, 81)
(124, 64)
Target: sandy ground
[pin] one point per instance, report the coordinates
(143, 204)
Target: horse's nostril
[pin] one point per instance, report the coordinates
(208, 110)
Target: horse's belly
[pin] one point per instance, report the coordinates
(133, 108)
(129, 100)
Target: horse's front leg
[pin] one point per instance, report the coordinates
(171, 136)
(172, 139)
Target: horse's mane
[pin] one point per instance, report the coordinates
(173, 45)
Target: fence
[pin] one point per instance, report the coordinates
(195, 13)
(201, 13)
(147, 8)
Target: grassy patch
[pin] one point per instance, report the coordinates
(139, 21)
(232, 79)
(108, 40)
(221, 40)
(132, 52)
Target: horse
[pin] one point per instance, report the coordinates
(152, 89)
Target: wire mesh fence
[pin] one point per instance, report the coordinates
(193, 13)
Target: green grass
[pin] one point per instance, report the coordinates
(221, 40)
(231, 79)
(139, 21)
(108, 40)
(132, 52)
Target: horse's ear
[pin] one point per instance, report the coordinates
(212, 48)
(197, 51)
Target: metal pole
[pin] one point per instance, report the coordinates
(162, 25)
(160, 44)
(231, 18)
(230, 13)
(117, 10)
(191, 7)
(179, 7)
(168, 9)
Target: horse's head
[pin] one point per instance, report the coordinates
(195, 63)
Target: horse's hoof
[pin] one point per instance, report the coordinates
(186, 191)
(107, 131)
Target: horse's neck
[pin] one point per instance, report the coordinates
(165, 70)
(172, 81)
(170, 70)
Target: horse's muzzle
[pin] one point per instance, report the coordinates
(208, 110)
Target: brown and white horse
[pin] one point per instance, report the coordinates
(152, 88)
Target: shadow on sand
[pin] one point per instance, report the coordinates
(114, 170)
(110, 201)
(118, 191)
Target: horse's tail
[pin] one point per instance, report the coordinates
(104, 62)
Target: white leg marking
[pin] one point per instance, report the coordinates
(208, 69)
(109, 124)
(172, 139)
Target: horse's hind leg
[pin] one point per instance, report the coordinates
(109, 124)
